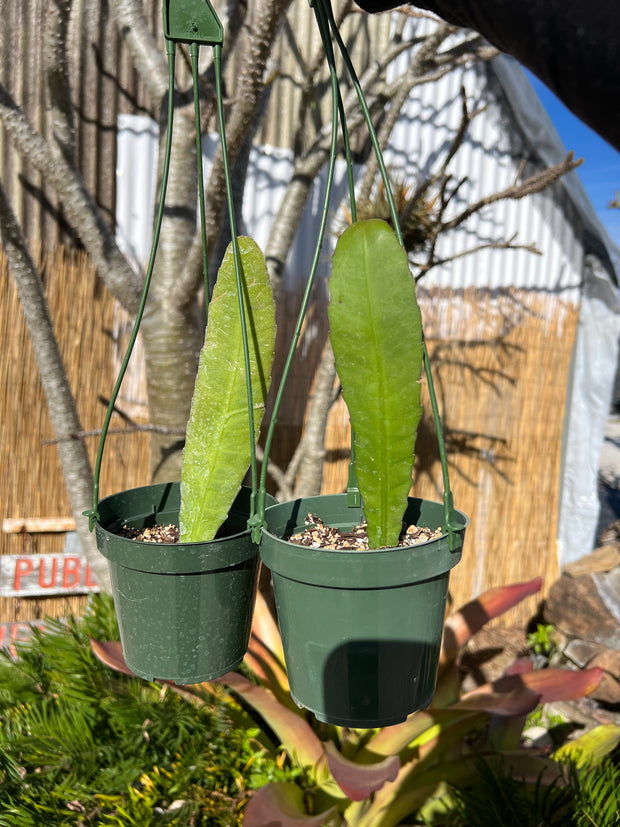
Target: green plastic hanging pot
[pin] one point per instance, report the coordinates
(184, 609)
(361, 629)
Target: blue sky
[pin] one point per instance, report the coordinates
(600, 171)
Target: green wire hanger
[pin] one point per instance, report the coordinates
(195, 23)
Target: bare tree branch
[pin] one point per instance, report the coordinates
(426, 67)
(507, 244)
(120, 278)
(285, 491)
(313, 452)
(147, 55)
(418, 66)
(130, 429)
(56, 73)
(535, 183)
(260, 33)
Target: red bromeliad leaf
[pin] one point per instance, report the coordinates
(358, 781)
(553, 684)
(266, 669)
(292, 730)
(519, 693)
(265, 629)
(519, 666)
(460, 626)
(519, 700)
(265, 656)
(111, 653)
(281, 805)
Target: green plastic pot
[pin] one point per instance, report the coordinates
(361, 629)
(184, 609)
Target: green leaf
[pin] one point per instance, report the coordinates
(217, 445)
(376, 335)
(591, 747)
(425, 723)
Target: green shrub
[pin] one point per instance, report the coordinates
(81, 745)
(587, 797)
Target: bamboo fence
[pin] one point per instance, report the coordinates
(90, 330)
(501, 366)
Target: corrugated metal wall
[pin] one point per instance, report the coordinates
(106, 86)
(488, 161)
(364, 36)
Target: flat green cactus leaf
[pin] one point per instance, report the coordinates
(217, 444)
(376, 335)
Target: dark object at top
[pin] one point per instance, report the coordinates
(571, 45)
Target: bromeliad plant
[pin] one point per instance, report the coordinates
(379, 778)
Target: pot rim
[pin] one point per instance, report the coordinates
(168, 558)
(355, 568)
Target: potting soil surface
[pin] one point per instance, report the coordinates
(318, 535)
(154, 534)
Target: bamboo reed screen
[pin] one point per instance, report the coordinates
(90, 329)
(501, 365)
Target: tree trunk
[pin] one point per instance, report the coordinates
(310, 476)
(173, 325)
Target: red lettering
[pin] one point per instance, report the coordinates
(71, 572)
(22, 568)
(52, 582)
(90, 580)
(16, 628)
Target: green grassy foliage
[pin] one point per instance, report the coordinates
(82, 745)
(501, 799)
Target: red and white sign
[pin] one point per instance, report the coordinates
(10, 633)
(45, 575)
